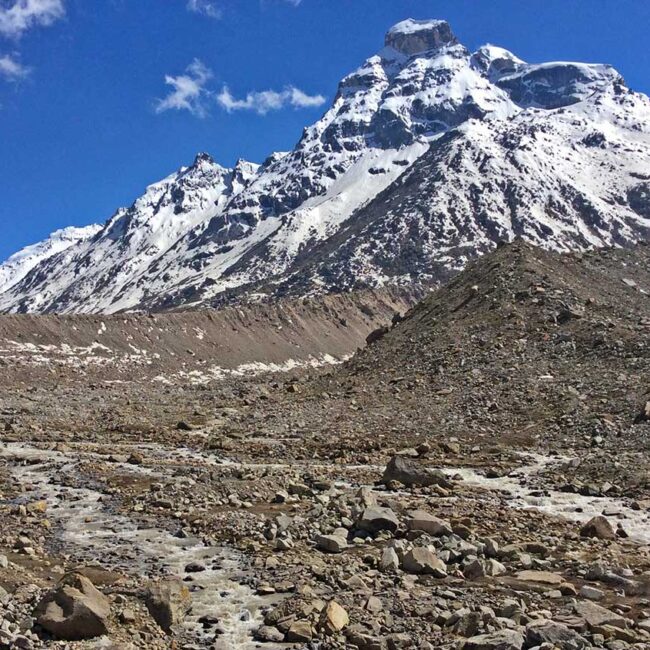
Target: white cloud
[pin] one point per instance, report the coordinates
(189, 92)
(11, 69)
(268, 100)
(204, 7)
(25, 14)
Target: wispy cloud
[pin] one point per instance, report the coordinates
(188, 90)
(268, 100)
(11, 69)
(25, 14)
(204, 7)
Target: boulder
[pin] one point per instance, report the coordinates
(542, 577)
(423, 521)
(300, 632)
(377, 334)
(268, 634)
(596, 616)
(331, 543)
(502, 640)
(557, 634)
(374, 520)
(75, 610)
(591, 593)
(422, 560)
(644, 414)
(409, 472)
(168, 603)
(598, 527)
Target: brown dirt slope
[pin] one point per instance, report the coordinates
(130, 346)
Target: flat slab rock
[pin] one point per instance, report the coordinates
(502, 640)
(595, 615)
(542, 577)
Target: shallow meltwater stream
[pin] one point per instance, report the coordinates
(571, 506)
(91, 533)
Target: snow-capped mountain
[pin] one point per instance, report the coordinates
(428, 156)
(22, 262)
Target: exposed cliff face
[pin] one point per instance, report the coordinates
(428, 156)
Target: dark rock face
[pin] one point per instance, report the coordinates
(639, 199)
(555, 85)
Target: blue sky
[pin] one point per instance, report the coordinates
(98, 98)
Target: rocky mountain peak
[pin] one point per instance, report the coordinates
(203, 158)
(416, 36)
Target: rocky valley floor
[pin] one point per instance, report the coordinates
(476, 477)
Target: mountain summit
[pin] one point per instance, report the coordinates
(429, 155)
(416, 36)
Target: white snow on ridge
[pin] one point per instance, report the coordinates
(21, 263)
(412, 26)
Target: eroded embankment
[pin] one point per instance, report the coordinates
(195, 346)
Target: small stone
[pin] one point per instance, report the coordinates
(333, 618)
(591, 593)
(300, 632)
(389, 560)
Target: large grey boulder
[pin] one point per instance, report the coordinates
(374, 520)
(335, 543)
(410, 472)
(595, 615)
(74, 610)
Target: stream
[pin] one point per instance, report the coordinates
(570, 506)
(89, 531)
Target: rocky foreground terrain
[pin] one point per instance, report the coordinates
(475, 478)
